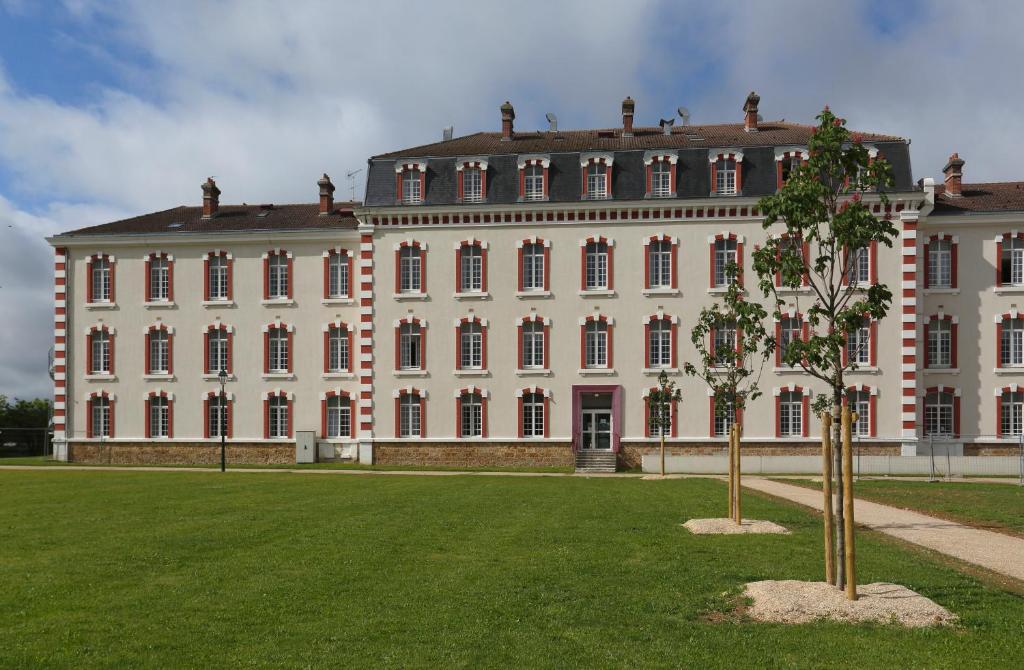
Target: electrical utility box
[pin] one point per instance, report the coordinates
(305, 446)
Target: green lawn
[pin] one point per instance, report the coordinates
(993, 506)
(131, 569)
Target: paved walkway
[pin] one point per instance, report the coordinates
(997, 552)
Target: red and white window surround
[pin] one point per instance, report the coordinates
(410, 181)
(723, 249)
(1010, 259)
(596, 342)
(218, 414)
(277, 415)
(940, 338)
(721, 420)
(471, 176)
(337, 274)
(792, 411)
(471, 345)
(337, 415)
(159, 350)
(940, 261)
(725, 340)
(652, 430)
(1009, 339)
(661, 263)
(1010, 411)
(862, 400)
(597, 175)
(99, 350)
(278, 349)
(470, 267)
(218, 339)
(534, 184)
(471, 412)
(218, 279)
(862, 265)
(159, 417)
(793, 244)
(534, 266)
(660, 173)
(941, 406)
(410, 268)
(596, 264)
(534, 343)
(726, 172)
(338, 342)
(660, 332)
(789, 327)
(99, 414)
(278, 278)
(159, 273)
(787, 161)
(862, 344)
(533, 412)
(100, 284)
(410, 412)
(410, 344)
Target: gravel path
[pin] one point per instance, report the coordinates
(994, 551)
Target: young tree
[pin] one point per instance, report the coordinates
(822, 210)
(730, 338)
(659, 405)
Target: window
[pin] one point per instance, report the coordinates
(159, 279)
(410, 346)
(471, 346)
(533, 412)
(940, 264)
(792, 247)
(410, 270)
(338, 349)
(661, 179)
(940, 343)
(217, 277)
(858, 269)
(597, 180)
(788, 165)
(278, 361)
(659, 264)
(99, 416)
(724, 415)
(790, 330)
(217, 350)
(277, 276)
(533, 345)
(860, 402)
(472, 185)
(939, 414)
(791, 414)
(339, 416)
(159, 416)
(595, 344)
(410, 419)
(1011, 262)
(533, 267)
(659, 343)
(471, 415)
(533, 182)
(858, 344)
(725, 176)
(101, 284)
(724, 343)
(596, 270)
(412, 193)
(278, 416)
(159, 352)
(471, 268)
(1011, 413)
(337, 275)
(100, 352)
(654, 426)
(1011, 343)
(725, 251)
(216, 415)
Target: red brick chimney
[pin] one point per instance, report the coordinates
(628, 105)
(750, 112)
(211, 198)
(954, 172)
(508, 114)
(326, 195)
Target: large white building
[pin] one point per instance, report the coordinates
(509, 298)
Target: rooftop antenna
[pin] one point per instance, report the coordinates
(351, 176)
(447, 133)
(666, 125)
(552, 121)
(684, 114)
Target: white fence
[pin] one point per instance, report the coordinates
(940, 466)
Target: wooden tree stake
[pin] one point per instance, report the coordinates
(738, 507)
(732, 458)
(826, 489)
(851, 575)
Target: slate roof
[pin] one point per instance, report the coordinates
(1007, 196)
(229, 219)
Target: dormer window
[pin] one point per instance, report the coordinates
(787, 161)
(411, 182)
(472, 179)
(533, 178)
(534, 183)
(726, 172)
(661, 179)
(597, 176)
(661, 173)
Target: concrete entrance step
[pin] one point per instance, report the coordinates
(588, 460)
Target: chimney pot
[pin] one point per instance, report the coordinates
(508, 115)
(954, 172)
(750, 112)
(211, 198)
(628, 105)
(326, 195)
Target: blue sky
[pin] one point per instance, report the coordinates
(114, 108)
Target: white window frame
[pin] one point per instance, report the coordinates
(159, 416)
(472, 185)
(472, 415)
(337, 276)
(100, 409)
(940, 264)
(858, 344)
(724, 420)
(533, 417)
(159, 351)
(597, 181)
(339, 417)
(217, 349)
(940, 344)
(659, 264)
(278, 354)
(411, 187)
(410, 343)
(533, 183)
(939, 414)
(860, 402)
(101, 279)
(410, 419)
(659, 344)
(159, 279)
(858, 272)
(100, 343)
(1014, 249)
(533, 345)
(217, 272)
(725, 340)
(471, 345)
(277, 410)
(596, 258)
(661, 179)
(471, 269)
(725, 176)
(1011, 343)
(338, 354)
(410, 269)
(596, 344)
(791, 410)
(533, 266)
(791, 329)
(277, 276)
(216, 415)
(726, 251)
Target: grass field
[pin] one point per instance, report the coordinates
(128, 569)
(993, 506)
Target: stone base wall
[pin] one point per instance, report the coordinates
(631, 455)
(991, 450)
(501, 454)
(179, 453)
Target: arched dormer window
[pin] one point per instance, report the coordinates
(787, 160)
(534, 183)
(726, 172)
(410, 181)
(597, 176)
(661, 173)
(472, 179)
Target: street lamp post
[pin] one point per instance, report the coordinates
(223, 377)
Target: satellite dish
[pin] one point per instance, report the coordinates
(447, 133)
(760, 119)
(552, 121)
(684, 114)
(666, 125)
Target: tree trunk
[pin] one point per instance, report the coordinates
(837, 473)
(737, 465)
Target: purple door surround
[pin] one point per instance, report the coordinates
(578, 390)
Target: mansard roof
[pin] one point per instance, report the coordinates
(992, 197)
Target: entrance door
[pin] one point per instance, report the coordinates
(596, 431)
